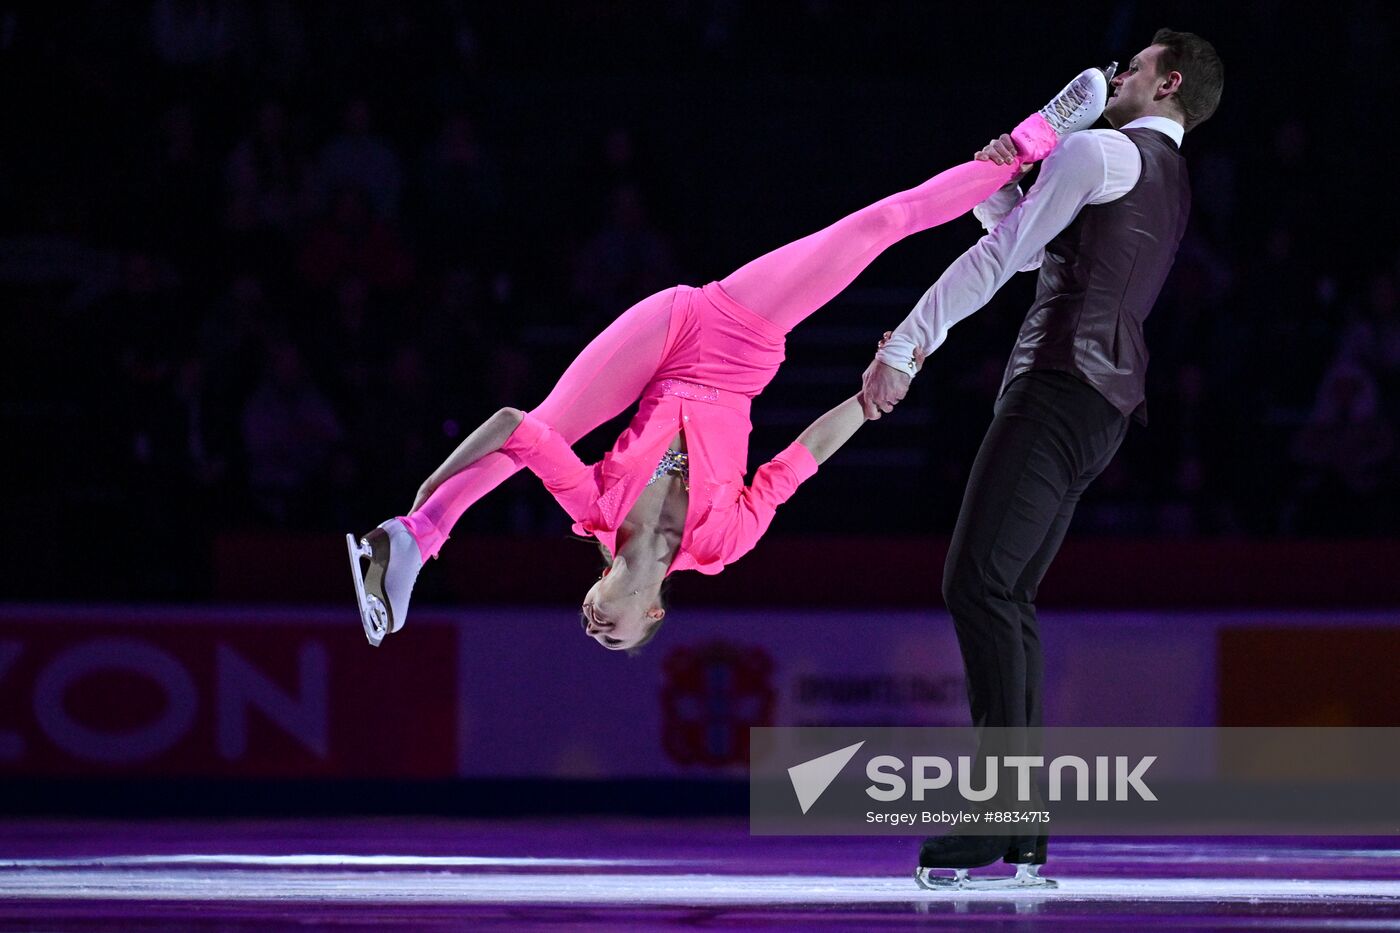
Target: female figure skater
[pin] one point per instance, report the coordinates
(670, 494)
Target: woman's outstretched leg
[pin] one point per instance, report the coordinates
(791, 282)
(607, 377)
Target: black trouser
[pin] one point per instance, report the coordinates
(1051, 436)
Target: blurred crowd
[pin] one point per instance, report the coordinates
(265, 263)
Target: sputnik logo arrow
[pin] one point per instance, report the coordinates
(811, 778)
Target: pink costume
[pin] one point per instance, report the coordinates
(718, 355)
(696, 358)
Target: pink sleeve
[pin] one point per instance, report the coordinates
(776, 481)
(773, 484)
(544, 451)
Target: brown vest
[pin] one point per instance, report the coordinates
(1100, 277)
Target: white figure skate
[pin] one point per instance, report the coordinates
(1080, 102)
(384, 589)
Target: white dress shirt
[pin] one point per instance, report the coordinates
(1089, 167)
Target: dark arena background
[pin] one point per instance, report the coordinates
(264, 265)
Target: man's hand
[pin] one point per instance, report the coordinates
(1002, 151)
(883, 387)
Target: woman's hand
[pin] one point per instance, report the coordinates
(424, 491)
(487, 439)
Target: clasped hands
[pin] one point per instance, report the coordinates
(882, 386)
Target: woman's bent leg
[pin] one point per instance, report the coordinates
(607, 377)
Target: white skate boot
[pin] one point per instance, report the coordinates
(1075, 108)
(1080, 102)
(383, 590)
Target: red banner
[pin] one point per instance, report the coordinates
(259, 693)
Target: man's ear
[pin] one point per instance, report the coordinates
(1169, 85)
(656, 613)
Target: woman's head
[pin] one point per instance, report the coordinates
(621, 615)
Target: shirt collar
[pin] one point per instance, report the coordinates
(1161, 124)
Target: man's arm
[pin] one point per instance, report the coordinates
(1071, 177)
(990, 212)
(994, 210)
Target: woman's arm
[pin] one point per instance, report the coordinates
(826, 435)
(488, 438)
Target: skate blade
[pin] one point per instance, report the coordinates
(925, 879)
(375, 547)
(374, 619)
(1027, 877)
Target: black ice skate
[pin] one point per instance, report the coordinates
(960, 854)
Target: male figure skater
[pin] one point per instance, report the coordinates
(1102, 223)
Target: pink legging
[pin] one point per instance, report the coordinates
(783, 286)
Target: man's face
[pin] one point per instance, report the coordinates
(1134, 88)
